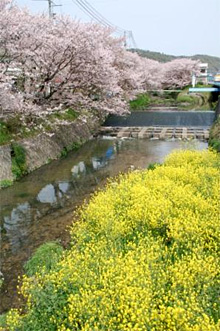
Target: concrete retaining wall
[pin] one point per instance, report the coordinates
(5, 163)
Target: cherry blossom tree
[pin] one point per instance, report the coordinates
(65, 62)
(129, 66)
(178, 73)
(151, 73)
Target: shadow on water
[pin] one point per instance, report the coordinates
(39, 207)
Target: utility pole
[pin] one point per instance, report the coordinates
(51, 4)
(50, 9)
(125, 39)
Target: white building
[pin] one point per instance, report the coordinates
(203, 76)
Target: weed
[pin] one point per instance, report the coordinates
(2, 321)
(185, 99)
(141, 102)
(46, 255)
(152, 166)
(64, 152)
(14, 124)
(215, 144)
(5, 135)
(68, 115)
(5, 183)
(72, 147)
(19, 167)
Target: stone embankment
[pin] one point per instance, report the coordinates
(42, 148)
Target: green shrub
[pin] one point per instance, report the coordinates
(214, 138)
(5, 135)
(72, 147)
(44, 259)
(141, 102)
(152, 166)
(19, 167)
(5, 183)
(215, 144)
(14, 124)
(185, 99)
(69, 115)
(3, 322)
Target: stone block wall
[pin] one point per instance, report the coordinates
(41, 149)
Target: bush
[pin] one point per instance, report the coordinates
(185, 99)
(3, 322)
(5, 135)
(214, 139)
(19, 167)
(5, 183)
(44, 259)
(145, 256)
(141, 102)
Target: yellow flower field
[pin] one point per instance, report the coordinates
(144, 256)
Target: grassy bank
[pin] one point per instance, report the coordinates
(214, 139)
(179, 99)
(16, 127)
(144, 256)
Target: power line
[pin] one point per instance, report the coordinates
(94, 14)
(101, 16)
(97, 17)
(88, 12)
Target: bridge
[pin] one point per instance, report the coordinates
(214, 88)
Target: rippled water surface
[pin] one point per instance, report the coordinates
(39, 207)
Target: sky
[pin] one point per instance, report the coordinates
(175, 27)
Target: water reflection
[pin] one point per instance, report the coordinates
(63, 187)
(16, 225)
(66, 181)
(47, 195)
(39, 207)
(78, 169)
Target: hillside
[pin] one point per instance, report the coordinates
(214, 62)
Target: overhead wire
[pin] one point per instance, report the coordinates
(100, 15)
(95, 15)
(90, 13)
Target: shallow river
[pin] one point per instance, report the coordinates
(40, 207)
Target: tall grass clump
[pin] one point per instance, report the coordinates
(141, 102)
(214, 138)
(44, 259)
(144, 256)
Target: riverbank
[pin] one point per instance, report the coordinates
(173, 100)
(136, 229)
(214, 140)
(39, 207)
(22, 156)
